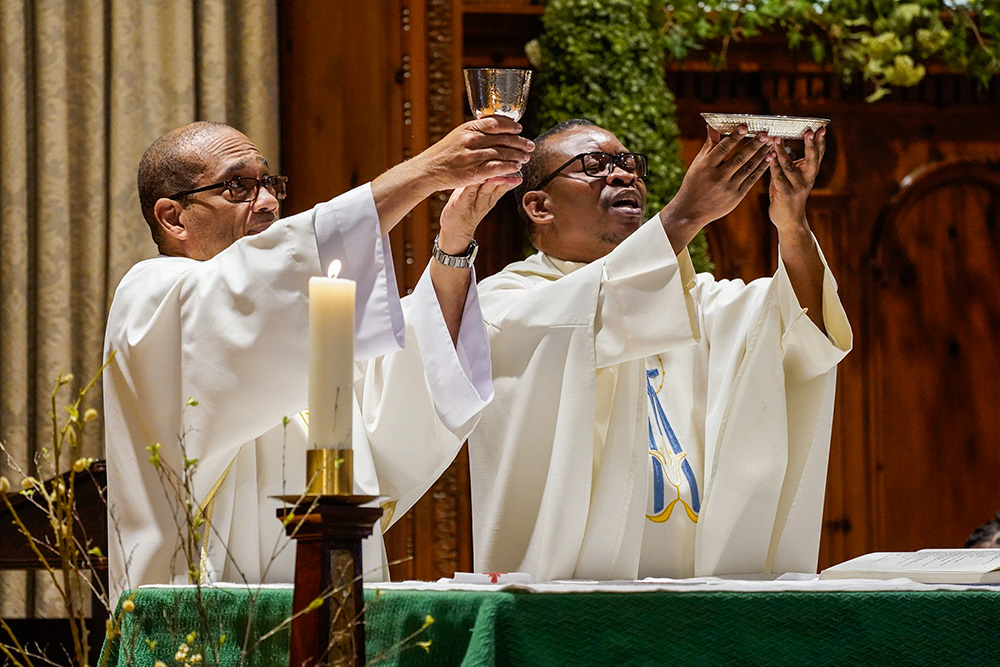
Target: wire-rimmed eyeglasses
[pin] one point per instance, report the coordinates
(244, 189)
(602, 164)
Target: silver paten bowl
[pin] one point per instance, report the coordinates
(786, 127)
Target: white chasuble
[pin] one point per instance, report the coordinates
(231, 333)
(649, 421)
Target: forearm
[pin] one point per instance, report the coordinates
(399, 190)
(459, 220)
(804, 268)
(451, 285)
(680, 228)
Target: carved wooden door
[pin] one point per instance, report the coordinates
(933, 379)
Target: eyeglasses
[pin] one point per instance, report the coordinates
(244, 189)
(602, 164)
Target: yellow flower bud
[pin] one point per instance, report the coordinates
(68, 378)
(4, 485)
(128, 606)
(79, 465)
(90, 415)
(159, 663)
(28, 483)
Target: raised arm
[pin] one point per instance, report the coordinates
(471, 153)
(719, 177)
(791, 183)
(459, 219)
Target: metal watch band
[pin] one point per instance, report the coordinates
(456, 261)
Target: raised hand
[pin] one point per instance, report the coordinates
(791, 182)
(471, 153)
(476, 151)
(459, 219)
(721, 175)
(790, 186)
(466, 208)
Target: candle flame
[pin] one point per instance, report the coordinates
(334, 270)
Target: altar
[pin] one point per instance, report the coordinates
(685, 622)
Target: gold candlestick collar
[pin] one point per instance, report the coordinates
(330, 472)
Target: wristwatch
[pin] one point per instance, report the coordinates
(456, 261)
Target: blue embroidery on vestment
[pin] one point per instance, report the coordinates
(668, 466)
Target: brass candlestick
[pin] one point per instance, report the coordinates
(328, 533)
(328, 525)
(329, 472)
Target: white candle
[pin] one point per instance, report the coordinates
(331, 360)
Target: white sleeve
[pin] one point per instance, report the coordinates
(459, 376)
(730, 307)
(643, 306)
(347, 228)
(807, 351)
(419, 404)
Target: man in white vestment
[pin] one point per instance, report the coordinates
(211, 345)
(650, 421)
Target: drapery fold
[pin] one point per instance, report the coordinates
(85, 87)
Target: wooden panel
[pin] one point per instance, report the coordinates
(935, 310)
(513, 7)
(339, 103)
(91, 525)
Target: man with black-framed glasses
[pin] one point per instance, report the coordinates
(221, 317)
(649, 421)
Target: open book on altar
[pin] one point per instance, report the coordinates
(930, 566)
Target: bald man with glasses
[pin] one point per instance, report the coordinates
(211, 345)
(648, 421)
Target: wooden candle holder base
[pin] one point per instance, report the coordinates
(328, 531)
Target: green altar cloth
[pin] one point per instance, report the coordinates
(516, 627)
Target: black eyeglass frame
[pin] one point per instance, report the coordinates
(615, 160)
(231, 183)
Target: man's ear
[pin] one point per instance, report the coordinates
(537, 204)
(168, 215)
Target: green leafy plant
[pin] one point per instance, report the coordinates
(886, 42)
(67, 555)
(603, 60)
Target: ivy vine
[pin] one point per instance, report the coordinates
(886, 42)
(603, 60)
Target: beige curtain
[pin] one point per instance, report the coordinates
(85, 87)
